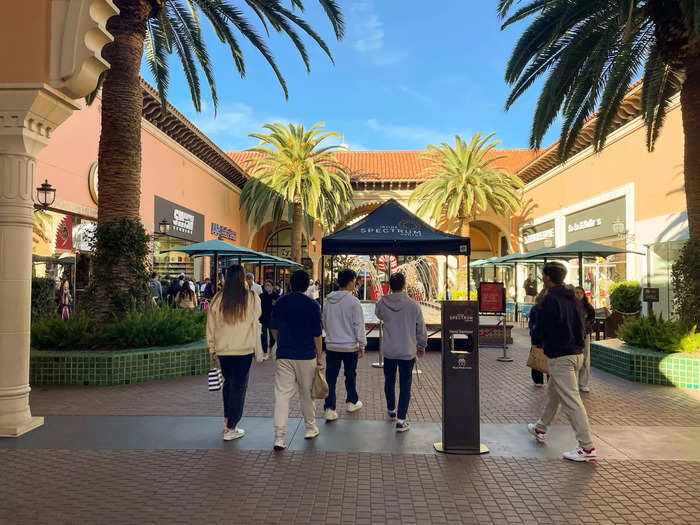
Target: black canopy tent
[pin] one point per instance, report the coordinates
(391, 229)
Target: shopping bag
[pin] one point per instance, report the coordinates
(319, 389)
(259, 354)
(537, 360)
(216, 379)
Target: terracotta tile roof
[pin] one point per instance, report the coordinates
(399, 165)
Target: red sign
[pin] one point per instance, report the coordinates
(64, 234)
(492, 298)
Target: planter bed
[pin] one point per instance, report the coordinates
(117, 367)
(643, 365)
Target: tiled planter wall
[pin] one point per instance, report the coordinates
(117, 367)
(643, 365)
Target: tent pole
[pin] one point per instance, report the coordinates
(580, 269)
(215, 280)
(469, 281)
(447, 269)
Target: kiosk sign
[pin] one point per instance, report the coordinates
(492, 298)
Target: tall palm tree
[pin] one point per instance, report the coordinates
(591, 50)
(296, 177)
(165, 27)
(463, 182)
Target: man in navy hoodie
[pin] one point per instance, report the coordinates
(561, 330)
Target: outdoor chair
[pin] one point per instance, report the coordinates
(525, 309)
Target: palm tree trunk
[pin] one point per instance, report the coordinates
(119, 158)
(297, 226)
(690, 110)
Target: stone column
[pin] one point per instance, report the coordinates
(28, 115)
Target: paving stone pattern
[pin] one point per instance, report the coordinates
(507, 395)
(263, 487)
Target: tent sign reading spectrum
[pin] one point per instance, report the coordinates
(492, 298)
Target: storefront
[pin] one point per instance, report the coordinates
(185, 227)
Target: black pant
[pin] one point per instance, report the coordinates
(264, 335)
(235, 369)
(333, 362)
(405, 367)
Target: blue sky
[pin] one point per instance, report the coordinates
(408, 73)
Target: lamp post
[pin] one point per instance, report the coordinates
(45, 195)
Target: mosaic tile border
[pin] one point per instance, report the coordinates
(643, 365)
(119, 367)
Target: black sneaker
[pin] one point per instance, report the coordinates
(392, 415)
(402, 426)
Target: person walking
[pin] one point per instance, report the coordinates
(232, 335)
(312, 291)
(255, 287)
(344, 324)
(267, 300)
(404, 336)
(185, 298)
(530, 287)
(584, 374)
(296, 326)
(537, 375)
(65, 300)
(156, 288)
(560, 328)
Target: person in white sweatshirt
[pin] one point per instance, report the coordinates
(233, 332)
(404, 336)
(344, 325)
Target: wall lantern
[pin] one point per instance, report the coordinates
(46, 195)
(164, 227)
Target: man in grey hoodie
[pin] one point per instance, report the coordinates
(344, 324)
(404, 336)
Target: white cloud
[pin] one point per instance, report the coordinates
(367, 33)
(414, 136)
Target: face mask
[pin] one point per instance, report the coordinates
(268, 288)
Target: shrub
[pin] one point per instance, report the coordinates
(685, 277)
(43, 297)
(626, 297)
(655, 332)
(137, 328)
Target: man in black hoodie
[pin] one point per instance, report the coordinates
(561, 330)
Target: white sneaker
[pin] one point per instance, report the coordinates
(582, 455)
(266, 357)
(233, 433)
(331, 415)
(354, 407)
(311, 432)
(585, 389)
(539, 385)
(280, 444)
(540, 435)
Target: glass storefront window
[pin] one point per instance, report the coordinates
(599, 273)
(172, 263)
(280, 244)
(660, 259)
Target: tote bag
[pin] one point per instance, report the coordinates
(319, 389)
(537, 360)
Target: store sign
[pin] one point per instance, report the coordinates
(492, 298)
(184, 223)
(223, 231)
(537, 236)
(595, 223)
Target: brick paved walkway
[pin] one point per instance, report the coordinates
(507, 395)
(262, 487)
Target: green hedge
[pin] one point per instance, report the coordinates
(137, 329)
(626, 297)
(657, 333)
(43, 297)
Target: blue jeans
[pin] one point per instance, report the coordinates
(235, 369)
(333, 362)
(405, 367)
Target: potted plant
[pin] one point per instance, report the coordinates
(626, 302)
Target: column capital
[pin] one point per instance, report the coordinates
(29, 112)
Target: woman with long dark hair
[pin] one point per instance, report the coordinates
(584, 375)
(186, 298)
(233, 332)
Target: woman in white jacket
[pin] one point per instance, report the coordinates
(233, 331)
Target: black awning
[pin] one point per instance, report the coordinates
(393, 230)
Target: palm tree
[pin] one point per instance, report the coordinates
(591, 51)
(166, 27)
(463, 182)
(295, 177)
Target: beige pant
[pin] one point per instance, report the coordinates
(584, 375)
(293, 375)
(563, 389)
